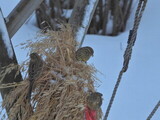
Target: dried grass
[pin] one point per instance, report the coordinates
(7, 69)
(60, 93)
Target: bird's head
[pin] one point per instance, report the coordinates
(90, 50)
(34, 56)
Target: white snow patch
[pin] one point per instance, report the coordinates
(52, 81)
(109, 26)
(5, 37)
(32, 20)
(55, 9)
(7, 8)
(97, 18)
(58, 75)
(47, 2)
(67, 13)
(85, 22)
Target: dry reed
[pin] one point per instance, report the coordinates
(60, 93)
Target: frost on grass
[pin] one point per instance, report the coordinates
(61, 90)
(88, 11)
(5, 37)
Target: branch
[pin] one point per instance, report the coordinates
(81, 17)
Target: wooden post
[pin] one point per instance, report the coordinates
(7, 57)
(81, 17)
(20, 14)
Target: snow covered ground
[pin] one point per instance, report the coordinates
(139, 90)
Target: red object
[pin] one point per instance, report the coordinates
(90, 114)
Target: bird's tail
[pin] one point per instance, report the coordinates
(28, 97)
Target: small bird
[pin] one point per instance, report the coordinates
(35, 69)
(94, 100)
(84, 53)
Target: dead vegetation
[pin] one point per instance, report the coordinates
(60, 93)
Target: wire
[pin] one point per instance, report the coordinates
(154, 111)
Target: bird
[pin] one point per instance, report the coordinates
(84, 53)
(34, 71)
(94, 100)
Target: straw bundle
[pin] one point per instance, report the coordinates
(61, 90)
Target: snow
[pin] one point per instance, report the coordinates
(7, 6)
(109, 25)
(139, 89)
(5, 37)
(67, 13)
(87, 13)
(47, 2)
